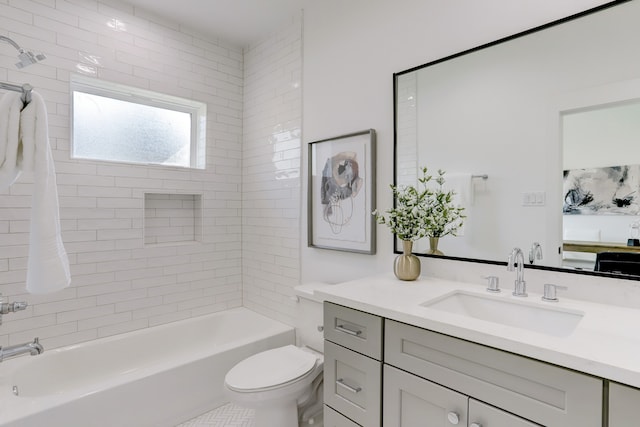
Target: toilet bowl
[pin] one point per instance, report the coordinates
(284, 385)
(277, 383)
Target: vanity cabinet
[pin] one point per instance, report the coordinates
(412, 401)
(352, 367)
(536, 391)
(438, 380)
(623, 405)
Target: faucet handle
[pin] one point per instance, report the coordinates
(493, 283)
(550, 292)
(6, 308)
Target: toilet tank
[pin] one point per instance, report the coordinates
(309, 317)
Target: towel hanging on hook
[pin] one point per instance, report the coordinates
(25, 89)
(24, 146)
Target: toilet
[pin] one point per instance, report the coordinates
(284, 385)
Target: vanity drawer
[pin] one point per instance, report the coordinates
(352, 384)
(543, 393)
(357, 330)
(336, 419)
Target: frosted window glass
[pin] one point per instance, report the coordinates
(111, 129)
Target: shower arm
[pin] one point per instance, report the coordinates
(12, 43)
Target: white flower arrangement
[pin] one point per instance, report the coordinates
(423, 212)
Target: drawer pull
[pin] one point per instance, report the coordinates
(341, 383)
(343, 328)
(475, 425)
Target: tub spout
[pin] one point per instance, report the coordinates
(33, 348)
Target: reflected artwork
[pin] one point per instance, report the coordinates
(610, 190)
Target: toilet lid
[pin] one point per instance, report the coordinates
(270, 368)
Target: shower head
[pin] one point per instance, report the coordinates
(26, 57)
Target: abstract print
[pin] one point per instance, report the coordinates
(341, 183)
(601, 191)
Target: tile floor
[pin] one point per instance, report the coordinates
(228, 415)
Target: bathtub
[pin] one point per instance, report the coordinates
(160, 376)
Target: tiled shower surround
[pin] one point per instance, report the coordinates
(247, 197)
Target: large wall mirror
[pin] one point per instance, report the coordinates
(539, 134)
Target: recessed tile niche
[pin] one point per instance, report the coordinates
(172, 218)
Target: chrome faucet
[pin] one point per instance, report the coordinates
(535, 253)
(33, 348)
(516, 260)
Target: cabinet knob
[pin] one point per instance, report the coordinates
(475, 425)
(453, 418)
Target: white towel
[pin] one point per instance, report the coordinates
(48, 264)
(10, 150)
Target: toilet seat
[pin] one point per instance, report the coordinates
(271, 369)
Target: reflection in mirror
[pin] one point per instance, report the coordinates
(601, 163)
(514, 111)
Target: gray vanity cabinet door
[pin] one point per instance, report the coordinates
(487, 416)
(336, 419)
(623, 406)
(538, 391)
(410, 401)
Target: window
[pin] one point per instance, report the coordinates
(118, 123)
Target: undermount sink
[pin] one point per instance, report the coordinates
(509, 312)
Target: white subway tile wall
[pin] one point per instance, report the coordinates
(271, 172)
(118, 283)
(407, 154)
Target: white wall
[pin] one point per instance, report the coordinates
(351, 51)
(614, 127)
(271, 171)
(118, 284)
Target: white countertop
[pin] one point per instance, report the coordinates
(606, 342)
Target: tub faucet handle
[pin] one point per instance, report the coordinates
(6, 307)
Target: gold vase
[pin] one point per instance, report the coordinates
(433, 246)
(407, 265)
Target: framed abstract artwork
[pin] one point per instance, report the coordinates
(341, 193)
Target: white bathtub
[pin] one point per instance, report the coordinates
(155, 377)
